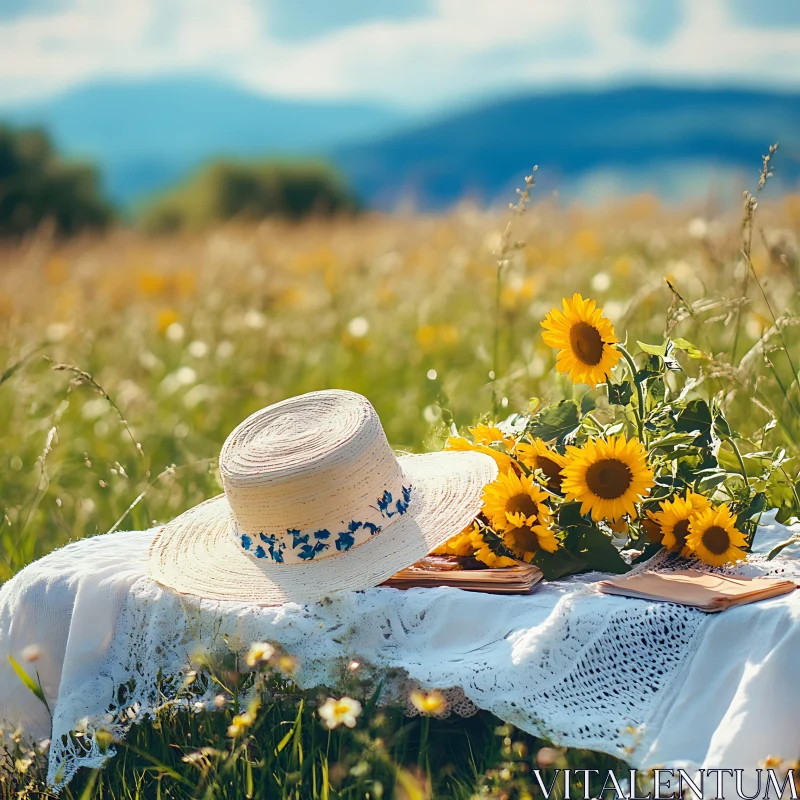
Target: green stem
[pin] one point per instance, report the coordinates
(423, 741)
(496, 344)
(738, 455)
(639, 391)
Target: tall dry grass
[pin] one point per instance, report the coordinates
(169, 343)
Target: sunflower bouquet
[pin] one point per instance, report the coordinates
(635, 465)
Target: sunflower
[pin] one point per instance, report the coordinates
(514, 494)
(460, 545)
(584, 339)
(674, 518)
(492, 560)
(537, 455)
(608, 477)
(713, 535)
(470, 542)
(504, 462)
(489, 434)
(526, 536)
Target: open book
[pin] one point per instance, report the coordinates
(464, 572)
(707, 591)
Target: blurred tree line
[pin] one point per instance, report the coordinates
(39, 188)
(226, 190)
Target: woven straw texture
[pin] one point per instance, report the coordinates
(316, 502)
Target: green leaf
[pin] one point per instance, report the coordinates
(283, 742)
(782, 494)
(591, 545)
(757, 505)
(653, 366)
(691, 350)
(569, 516)
(557, 565)
(672, 440)
(710, 482)
(728, 461)
(659, 350)
(26, 679)
(656, 389)
(721, 424)
(696, 416)
(587, 543)
(555, 421)
(88, 789)
(619, 394)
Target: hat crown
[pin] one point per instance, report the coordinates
(311, 477)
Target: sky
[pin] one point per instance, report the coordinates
(414, 54)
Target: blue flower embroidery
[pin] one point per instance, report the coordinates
(400, 506)
(344, 540)
(308, 548)
(309, 551)
(274, 547)
(297, 539)
(372, 528)
(383, 503)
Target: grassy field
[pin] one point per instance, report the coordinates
(128, 360)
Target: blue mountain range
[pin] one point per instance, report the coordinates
(670, 141)
(147, 134)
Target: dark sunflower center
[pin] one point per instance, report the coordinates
(550, 469)
(679, 531)
(526, 539)
(586, 343)
(522, 504)
(609, 478)
(716, 540)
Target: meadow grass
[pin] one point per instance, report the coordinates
(127, 360)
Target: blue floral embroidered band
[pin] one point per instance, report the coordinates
(296, 546)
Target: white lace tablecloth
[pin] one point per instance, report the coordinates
(652, 683)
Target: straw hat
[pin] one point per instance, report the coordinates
(315, 502)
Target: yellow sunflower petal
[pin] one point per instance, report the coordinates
(608, 477)
(486, 556)
(714, 537)
(512, 493)
(674, 517)
(537, 455)
(526, 536)
(504, 462)
(460, 545)
(486, 434)
(584, 339)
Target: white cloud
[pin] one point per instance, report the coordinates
(464, 47)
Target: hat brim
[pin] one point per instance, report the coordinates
(197, 553)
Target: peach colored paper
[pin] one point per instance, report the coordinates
(707, 591)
